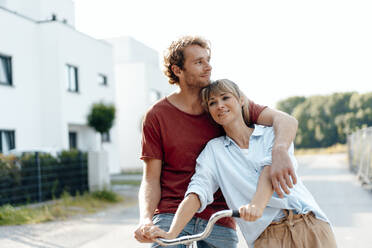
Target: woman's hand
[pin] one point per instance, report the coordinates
(250, 212)
(155, 232)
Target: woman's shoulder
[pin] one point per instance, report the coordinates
(216, 141)
(210, 150)
(262, 130)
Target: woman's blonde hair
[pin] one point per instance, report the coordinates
(221, 86)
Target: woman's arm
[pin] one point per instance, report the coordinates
(264, 192)
(185, 212)
(199, 194)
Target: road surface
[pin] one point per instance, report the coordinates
(346, 203)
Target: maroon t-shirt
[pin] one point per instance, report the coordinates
(177, 138)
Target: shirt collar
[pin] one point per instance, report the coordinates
(227, 141)
(258, 131)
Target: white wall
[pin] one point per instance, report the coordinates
(129, 50)
(39, 107)
(41, 10)
(92, 57)
(63, 9)
(137, 72)
(131, 95)
(18, 103)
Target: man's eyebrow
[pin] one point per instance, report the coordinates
(202, 57)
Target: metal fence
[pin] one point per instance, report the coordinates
(360, 154)
(38, 177)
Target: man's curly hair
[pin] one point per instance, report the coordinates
(174, 54)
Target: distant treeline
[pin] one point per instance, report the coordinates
(327, 119)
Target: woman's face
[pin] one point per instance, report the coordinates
(224, 107)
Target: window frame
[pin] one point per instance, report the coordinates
(72, 133)
(76, 74)
(12, 142)
(8, 69)
(105, 79)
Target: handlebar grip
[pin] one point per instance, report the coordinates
(235, 214)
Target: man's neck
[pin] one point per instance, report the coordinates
(187, 100)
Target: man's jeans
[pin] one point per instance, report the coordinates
(221, 237)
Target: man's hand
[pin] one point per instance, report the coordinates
(148, 197)
(142, 233)
(250, 212)
(156, 232)
(282, 171)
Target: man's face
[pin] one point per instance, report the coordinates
(196, 70)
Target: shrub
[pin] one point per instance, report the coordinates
(106, 195)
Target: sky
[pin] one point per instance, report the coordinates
(272, 49)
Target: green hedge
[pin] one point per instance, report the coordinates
(21, 180)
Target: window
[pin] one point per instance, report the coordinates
(102, 79)
(72, 138)
(7, 140)
(5, 70)
(106, 137)
(72, 78)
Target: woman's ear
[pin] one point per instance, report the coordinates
(242, 101)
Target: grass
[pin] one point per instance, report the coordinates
(66, 206)
(132, 172)
(338, 148)
(126, 182)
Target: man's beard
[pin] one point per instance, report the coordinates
(197, 84)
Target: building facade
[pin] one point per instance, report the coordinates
(139, 84)
(50, 75)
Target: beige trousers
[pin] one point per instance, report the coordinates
(297, 231)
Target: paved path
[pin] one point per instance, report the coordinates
(340, 195)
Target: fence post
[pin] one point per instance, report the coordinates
(82, 180)
(37, 158)
(98, 171)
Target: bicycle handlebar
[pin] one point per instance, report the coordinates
(196, 237)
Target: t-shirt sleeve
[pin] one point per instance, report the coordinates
(255, 111)
(151, 137)
(203, 182)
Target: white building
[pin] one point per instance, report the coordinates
(139, 83)
(50, 75)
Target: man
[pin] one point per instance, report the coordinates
(175, 131)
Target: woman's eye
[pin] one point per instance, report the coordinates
(225, 97)
(211, 103)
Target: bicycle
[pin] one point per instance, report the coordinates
(190, 240)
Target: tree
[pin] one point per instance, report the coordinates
(101, 118)
(289, 104)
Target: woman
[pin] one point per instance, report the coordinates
(239, 164)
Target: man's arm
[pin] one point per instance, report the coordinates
(148, 197)
(285, 128)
